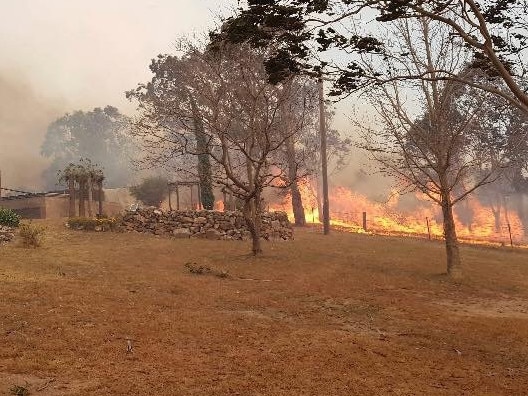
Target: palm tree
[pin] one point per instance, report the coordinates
(98, 178)
(69, 175)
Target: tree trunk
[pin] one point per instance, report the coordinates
(251, 213)
(82, 186)
(318, 199)
(521, 210)
(454, 265)
(291, 159)
(496, 211)
(204, 164)
(297, 204)
(90, 196)
(71, 189)
(497, 218)
(100, 197)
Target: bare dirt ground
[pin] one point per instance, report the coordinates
(345, 314)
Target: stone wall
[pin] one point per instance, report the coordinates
(205, 224)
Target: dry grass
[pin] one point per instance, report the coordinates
(339, 315)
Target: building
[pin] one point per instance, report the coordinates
(50, 205)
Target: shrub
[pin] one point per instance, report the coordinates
(18, 390)
(89, 224)
(9, 218)
(31, 235)
(151, 191)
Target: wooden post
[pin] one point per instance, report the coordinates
(365, 221)
(428, 227)
(71, 188)
(324, 165)
(90, 196)
(200, 207)
(82, 185)
(191, 188)
(100, 197)
(170, 203)
(509, 231)
(177, 197)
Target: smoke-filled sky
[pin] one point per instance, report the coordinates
(63, 55)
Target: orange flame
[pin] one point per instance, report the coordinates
(347, 208)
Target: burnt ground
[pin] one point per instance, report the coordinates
(346, 314)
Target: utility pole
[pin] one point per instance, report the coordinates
(324, 164)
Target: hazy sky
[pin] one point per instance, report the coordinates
(87, 53)
(57, 56)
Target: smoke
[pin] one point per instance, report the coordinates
(24, 117)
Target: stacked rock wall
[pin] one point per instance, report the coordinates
(205, 224)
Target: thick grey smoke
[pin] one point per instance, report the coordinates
(24, 117)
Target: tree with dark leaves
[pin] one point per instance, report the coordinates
(495, 32)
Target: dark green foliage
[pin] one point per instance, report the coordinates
(298, 30)
(206, 187)
(9, 218)
(151, 191)
(18, 390)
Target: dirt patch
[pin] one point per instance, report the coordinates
(344, 314)
(10, 384)
(492, 308)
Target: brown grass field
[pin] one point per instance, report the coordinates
(346, 314)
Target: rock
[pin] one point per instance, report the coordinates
(200, 220)
(211, 233)
(181, 233)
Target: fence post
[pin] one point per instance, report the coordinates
(428, 227)
(509, 231)
(365, 221)
(170, 203)
(177, 198)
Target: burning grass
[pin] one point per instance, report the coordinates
(339, 315)
(475, 222)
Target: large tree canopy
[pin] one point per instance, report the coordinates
(99, 135)
(494, 31)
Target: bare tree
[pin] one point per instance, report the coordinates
(240, 112)
(430, 134)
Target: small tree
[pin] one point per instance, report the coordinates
(151, 191)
